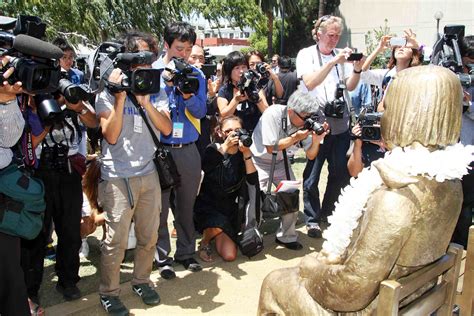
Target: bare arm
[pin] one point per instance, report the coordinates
(262, 102)
(289, 140)
(160, 119)
(315, 78)
(227, 108)
(383, 44)
(313, 150)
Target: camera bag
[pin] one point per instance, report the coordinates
(164, 162)
(252, 242)
(276, 204)
(22, 203)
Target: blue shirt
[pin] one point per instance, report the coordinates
(196, 105)
(75, 76)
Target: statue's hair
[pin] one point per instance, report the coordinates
(423, 104)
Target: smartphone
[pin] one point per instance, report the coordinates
(398, 41)
(355, 56)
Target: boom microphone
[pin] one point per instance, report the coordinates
(35, 47)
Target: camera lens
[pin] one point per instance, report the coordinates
(143, 80)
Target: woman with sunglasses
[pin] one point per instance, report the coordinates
(228, 173)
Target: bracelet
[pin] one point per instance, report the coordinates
(247, 158)
(357, 72)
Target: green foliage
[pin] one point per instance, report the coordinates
(94, 21)
(372, 39)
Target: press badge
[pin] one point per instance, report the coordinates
(137, 124)
(178, 130)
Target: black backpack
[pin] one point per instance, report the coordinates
(251, 243)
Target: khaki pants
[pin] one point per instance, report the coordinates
(114, 198)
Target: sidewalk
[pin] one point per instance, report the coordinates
(222, 288)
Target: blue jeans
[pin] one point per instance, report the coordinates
(334, 151)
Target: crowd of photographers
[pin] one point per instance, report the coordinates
(234, 120)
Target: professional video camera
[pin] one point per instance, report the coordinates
(244, 137)
(140, 81)
(447, 53)
(209, 68)
(249, 84)
(314, 123)
(183, 76)
(35, 61)
(336, 107)
(73, 93)
(370, 125)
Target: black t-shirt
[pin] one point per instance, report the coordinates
(370, 153)
(246, 110)
(289, 81)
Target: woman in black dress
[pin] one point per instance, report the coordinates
(229, 176)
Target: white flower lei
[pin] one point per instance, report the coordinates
(450, 163)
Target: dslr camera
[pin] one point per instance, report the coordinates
(314, 123)
(370, 125)
(35, 61)
(249, 84)
(140, 81)
(244, 137)
(336, 107)
(209, 68)
(183, 76)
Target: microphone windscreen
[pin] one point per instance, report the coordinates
(32, 46)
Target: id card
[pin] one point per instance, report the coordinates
(137, 124)
(178, 130)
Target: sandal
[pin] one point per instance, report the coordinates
(35, 309)
(205, 252)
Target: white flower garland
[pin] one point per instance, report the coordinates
(450, 163)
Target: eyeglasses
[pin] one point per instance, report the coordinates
(303, 118)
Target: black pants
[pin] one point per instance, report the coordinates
(63, 196)
(13, 297)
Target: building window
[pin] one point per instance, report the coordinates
(231, 35)
(247, 34)
(207, 35)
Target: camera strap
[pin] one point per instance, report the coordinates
(27, 150)
(284, 124)
(345, 95)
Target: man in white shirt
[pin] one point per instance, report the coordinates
(323, 69)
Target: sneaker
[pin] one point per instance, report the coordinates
(314, 231)
(84, 251)
(189, 264)
(167, 272)
(290, 245)
(113, 305)
(69, 293)
(147, 293)
(50, 252)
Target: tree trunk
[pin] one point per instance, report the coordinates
(322, 8)
(270, 34)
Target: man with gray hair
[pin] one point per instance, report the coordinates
(285, 125)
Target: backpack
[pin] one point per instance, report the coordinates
(22, 203)
(251, 242)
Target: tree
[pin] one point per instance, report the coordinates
(269, 7)
(372, 39)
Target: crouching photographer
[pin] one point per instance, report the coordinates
(367, 145)
(279, 128)
(129, 186)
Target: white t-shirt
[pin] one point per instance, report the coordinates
(271, 123)
(307, 61)
(11, 128)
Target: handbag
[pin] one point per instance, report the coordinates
(276, 204)
(164, 162)
(251, 243)
(22, 203)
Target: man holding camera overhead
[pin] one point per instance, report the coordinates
(327, 75)
(130, 187)
(187, 105)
